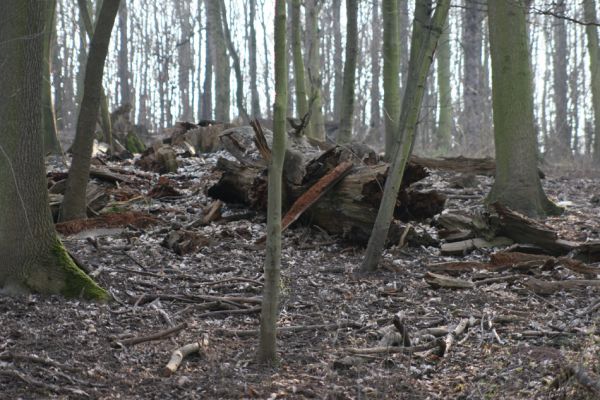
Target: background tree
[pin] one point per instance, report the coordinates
(517, 184)
(298, 61)
(218, 47)
(594, 53)
(74, 202)
(444, 132)
(391, 70)
(347, 106)
(427, 29)
(33, 258)
(317, 120)
(267, 351)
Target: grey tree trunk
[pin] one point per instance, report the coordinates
(51, 143)
(298, 61)
(444, 131)
(391, 71)
(207, 107)
(376, 74)
(184, 58)
(471, 118)
(220, 59)
(427, 29)
(594, 53)
(239, 78)
(317, 120)
(73, 205)
(267, 351)
(123, 56)
(255, 103)
(562, 129)
(338, 70)
(347, 107)
(517, 184)
(33, 258)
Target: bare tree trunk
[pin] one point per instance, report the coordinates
(444, 131)
(391, 70)
(51, 143)
(207, 108)
(317, 120)
(562, 130)
(239, 94)
(267, 351)
(255, 103)
(123, 56)
(347, 108)
(338, 71)
(298, 61)
(73, 205)
(184, 56)
(594, 53)
(376, 41)
(221, 61)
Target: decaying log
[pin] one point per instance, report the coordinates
(349, 209)
(462, 326)
(545, 287)
(478, 166)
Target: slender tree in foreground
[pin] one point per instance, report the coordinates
(74, 202)
(426, 33)
(267, 351)
(517, 184)
(33, 258)
(347, 106)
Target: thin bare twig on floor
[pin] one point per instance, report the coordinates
(37, 383)
(155, 336)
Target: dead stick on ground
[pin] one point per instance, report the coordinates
(462, 326)
(289, 329)
(155, 336)
(181, 353)
(312, 195)
(46, 386)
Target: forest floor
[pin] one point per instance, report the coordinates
(520, 342)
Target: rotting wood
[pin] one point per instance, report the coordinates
(478, 166)
(155, 336)
(462, 326)
(313, 194)
(549, 287)
(465, 246)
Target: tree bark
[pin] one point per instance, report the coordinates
(427, 29)
(207, 108)
(184, 56)
(594, 53)
(347, 106)
(317, 120)
(444, 131)
(298, 62)
(391, 73)
(562, 130)
(375, 122)
(123, 56)
(267, 351)
(517, 184)
(220, 59)
(255, 103)
(73, 205)
(51, 143)
(338, 70)
(33, 258)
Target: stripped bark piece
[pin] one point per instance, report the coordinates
(544, 287)
(312, 195)
(458, 248)
(457, 266)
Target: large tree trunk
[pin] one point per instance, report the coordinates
(123, 56)
(33, 258)
(73, 205)
(347, 107)
(207, 108)
(267, 351)
(184, 56)
(594, 53)
(338, 70)
(517, 184)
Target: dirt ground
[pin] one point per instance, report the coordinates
(519, 344)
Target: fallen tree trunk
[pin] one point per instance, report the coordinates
(348, 209)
